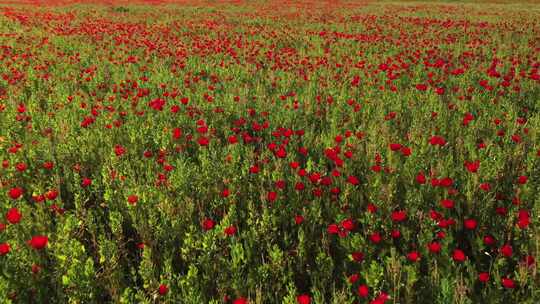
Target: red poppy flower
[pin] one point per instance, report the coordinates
(447, 203)
(446, 182)
(421, 178)
(119, 150)
(353, 180)
(522, 179)
(280, 184)
(399, 216)
(86, 182)
(38, 242)
(13, 216)
(203, 141)
(459, 255)
(376, 168)
(353, 278)
(240, 300)
(21, 167)
(485, 186)
(208, 224)
(51, 195)
(363, 291)
(472, 166)
(333, 229)
(163, 289)
(348, 224)
(381, 298)
(176, 133)
(421, 87)
(437, 140)
(406, 151)
(133, 199)
(434, 247)
(231, 230)
(271, 196)
(489, 240)
(508, 283)
(357, 256)
(523, 219)
(483, 277)
(15, 193)
(507, 250)
(371, 208)
(439, 91)
(413, 256)
(470, 224)
(303, 299)
(4, 249)
(48, 165)
(375, 237)
(395, 146)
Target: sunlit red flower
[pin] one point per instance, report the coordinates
(51, 195)
(208, 224)
(470, 224)
(348, 224)
(176, 133)
(421, 178)
(363, 291)
(240, 300)
(357, 256)
(508, 283)
(333, 229)
(458, 255)
(13, 216)
(132, 199)
(303, 299)
(4, 249)
(447, 203)
(119, 150)
(395, 146)
(375, 237)
(86, 182)
(472, 166)
(413, 256)
(522, 179)
(506, 250)
(231, 230)
(399, 216)
(353, 180)
(489, 240)
(203, 141)
(163, 289)
(15, 193)
(38, 242)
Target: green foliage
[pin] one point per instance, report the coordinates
(104, 113)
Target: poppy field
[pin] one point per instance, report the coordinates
(269, 152)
